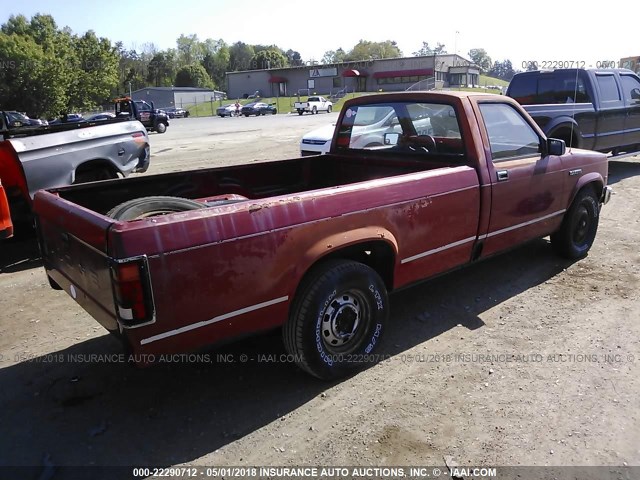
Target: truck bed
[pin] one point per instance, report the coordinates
(255, 181)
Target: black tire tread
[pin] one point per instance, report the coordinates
(179, 203)
(292, 329)
(560, 239)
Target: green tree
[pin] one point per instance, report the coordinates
(30, 80)
(95, 71)
(479, 57)
(503, 70)
(240, 55)
(161, 70)
(294, 58)
(333, 56)
(366, 50)
(190, 49)
(216, 60)
(193, 76)
(426, 50)
(268, 59)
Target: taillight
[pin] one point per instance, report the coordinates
(138, 137)
(132, 292)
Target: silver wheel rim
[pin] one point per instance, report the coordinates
(342, 320)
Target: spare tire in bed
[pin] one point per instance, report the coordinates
(152, 206)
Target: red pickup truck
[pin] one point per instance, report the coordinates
(178, 261)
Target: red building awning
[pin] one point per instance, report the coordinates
(403, 73)
(354, 73)
(277, 79)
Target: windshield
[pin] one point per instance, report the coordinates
(17, 117)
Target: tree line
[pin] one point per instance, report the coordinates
(46, 70)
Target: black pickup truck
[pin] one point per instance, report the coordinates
(595, 109)
(153, 119)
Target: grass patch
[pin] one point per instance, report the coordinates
(485, 80)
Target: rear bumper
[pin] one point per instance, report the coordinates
(606, 195)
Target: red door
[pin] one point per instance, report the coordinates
(526, 187)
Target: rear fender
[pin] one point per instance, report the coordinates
(333, 244)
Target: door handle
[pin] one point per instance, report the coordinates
(503, 175)
(121, 151)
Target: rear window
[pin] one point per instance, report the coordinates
(418, 128)
(608, 88)
(559, 86)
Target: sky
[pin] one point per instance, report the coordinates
(538, 31)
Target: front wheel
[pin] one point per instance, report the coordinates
(329, 108)
(161, 127)
(579, 226)
(337, 319)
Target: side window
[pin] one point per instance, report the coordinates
(143, 107)
(630, 83)
(509, 133)
(608, 88)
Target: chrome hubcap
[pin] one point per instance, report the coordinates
(341, 319)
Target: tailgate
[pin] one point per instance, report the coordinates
(73, 244)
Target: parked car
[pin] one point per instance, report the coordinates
(318, 141)
(101, 116)
(596, 109)
(174, 262)
(226, 110)
(68, 118)
(20, 119)
(175, 112)
(258, 108)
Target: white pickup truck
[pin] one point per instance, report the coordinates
(313, 105)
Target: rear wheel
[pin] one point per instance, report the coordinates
(337, 319)
(314, 110)
(329, 108)
(152, 206)
(300, 112)
(579, 226)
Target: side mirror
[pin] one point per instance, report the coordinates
(556, 147)
(391, 138)
(635, 94)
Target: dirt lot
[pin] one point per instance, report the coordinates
(524, 359)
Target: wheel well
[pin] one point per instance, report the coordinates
(570, 137)
(375, 254)
(94, 166)
(97, 164)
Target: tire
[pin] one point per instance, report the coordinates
(161, 127)
(337, 319)
(579, 226)
(95, 174)
(274, 111)
(300, 112)
(314, 110)
(246, 115)
(152, 206)
(329, 108)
